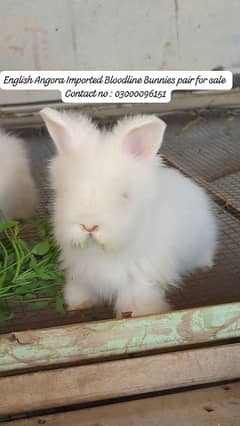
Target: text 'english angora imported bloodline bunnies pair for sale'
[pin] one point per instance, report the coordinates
(128, 226)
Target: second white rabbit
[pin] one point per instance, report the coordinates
(18, 195)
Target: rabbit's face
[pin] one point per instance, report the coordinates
(102, 179)
(102, 198)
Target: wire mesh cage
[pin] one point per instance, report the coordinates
(203, 146)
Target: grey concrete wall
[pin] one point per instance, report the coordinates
(116, 34)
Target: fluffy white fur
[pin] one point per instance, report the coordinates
(17, 188)
(154, 224)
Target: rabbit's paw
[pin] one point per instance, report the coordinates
(162, 308)
(75, 298)
(147, 300)
(84, 305)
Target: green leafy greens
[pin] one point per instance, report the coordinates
(29, 268)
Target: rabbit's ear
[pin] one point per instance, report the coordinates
(57, 128)
(144, 138)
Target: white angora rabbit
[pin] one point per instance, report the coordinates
(128, 226)
(17, 188)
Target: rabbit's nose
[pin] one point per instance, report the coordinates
(90, 229)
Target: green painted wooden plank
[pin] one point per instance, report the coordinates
(92, 340)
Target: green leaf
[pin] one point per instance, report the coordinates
(42, 248)
(24, 245)
(6, 313)
(21, 290)
(6, 316)
(45, 275)
(7, 225)
(11, 258)
(33, 263)
(2, 279)
(59, 304)
(51, 291)
(41, 227)
(40, 304)
(29, 296)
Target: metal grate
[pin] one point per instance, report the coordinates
(229, 186)
(207, 147)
